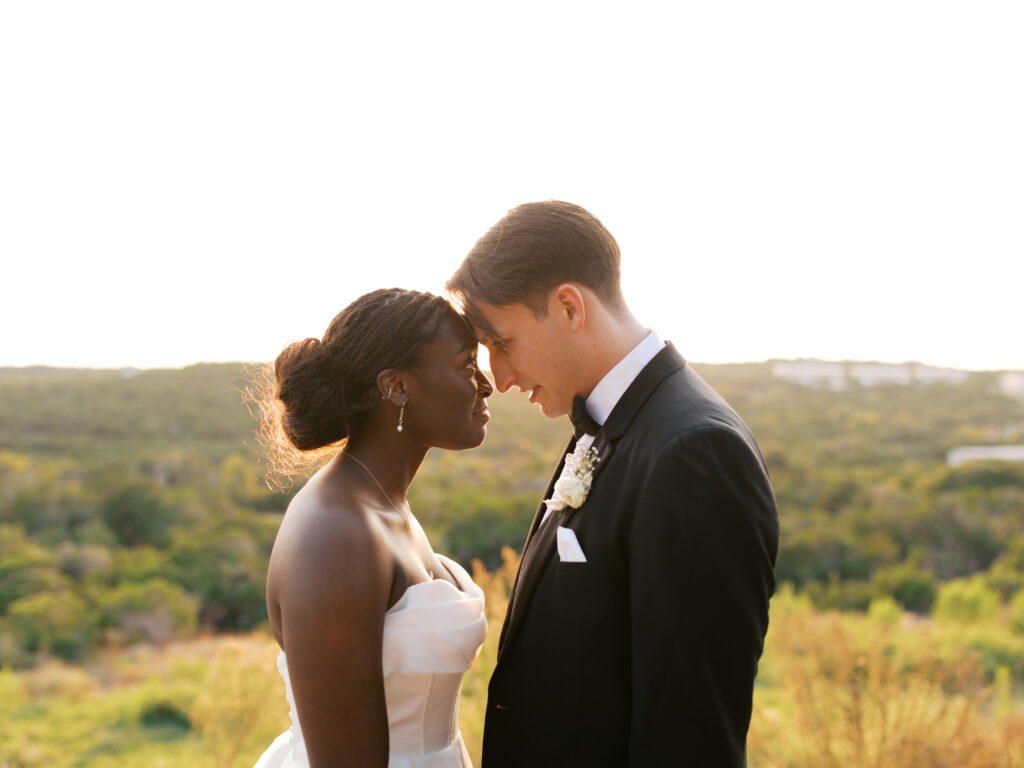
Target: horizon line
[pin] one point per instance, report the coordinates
(765, 361)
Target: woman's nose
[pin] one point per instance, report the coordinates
(483, 384)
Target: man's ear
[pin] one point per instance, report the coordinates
(391, 386)
(570, 304)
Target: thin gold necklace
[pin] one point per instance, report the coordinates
(428, 569)
(375, 480)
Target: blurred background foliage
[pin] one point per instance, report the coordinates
(134, 514)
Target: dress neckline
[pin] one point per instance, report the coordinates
(457, 572)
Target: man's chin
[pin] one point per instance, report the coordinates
(542, 399)
(552, 412)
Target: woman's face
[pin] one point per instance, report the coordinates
(447, 394)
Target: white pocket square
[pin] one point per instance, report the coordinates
(569, 550)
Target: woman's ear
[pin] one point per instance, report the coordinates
(391, 386)
(571, 305)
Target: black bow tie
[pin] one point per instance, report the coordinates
(582, 422)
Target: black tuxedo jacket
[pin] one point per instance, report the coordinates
(645, 655)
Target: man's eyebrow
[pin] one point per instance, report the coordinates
(479, 323)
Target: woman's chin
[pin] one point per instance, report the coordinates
(481, 434)
(472, 438)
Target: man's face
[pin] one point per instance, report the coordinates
(531, 353)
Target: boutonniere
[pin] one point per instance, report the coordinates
(573, 485)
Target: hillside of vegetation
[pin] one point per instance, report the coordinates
(133, 507)
(135, 527)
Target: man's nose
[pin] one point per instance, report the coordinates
(503, 373)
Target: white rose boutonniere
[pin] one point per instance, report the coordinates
(573, 485)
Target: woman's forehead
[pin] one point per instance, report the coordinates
(454, 336)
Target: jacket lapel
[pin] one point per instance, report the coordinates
(539, 548)
(523, 584)
(666, 362)
(663, 364)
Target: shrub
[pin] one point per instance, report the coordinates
(911, 586)
(885, 611)
(1017, 612)
(153, 611)
(966, 601)
(859, 700)
(25, 567)
(225, 564)
(137, 515)
(61, 623)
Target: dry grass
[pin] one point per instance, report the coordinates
(852, 693)
(834, 690)
(243, 699)
(472, 706)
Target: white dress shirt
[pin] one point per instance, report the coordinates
(613, 386)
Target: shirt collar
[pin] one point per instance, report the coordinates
(615, 383)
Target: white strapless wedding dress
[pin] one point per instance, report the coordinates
(431, 636)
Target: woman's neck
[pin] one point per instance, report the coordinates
(391, 460)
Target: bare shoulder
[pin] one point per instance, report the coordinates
(327, 547)
(330, 577)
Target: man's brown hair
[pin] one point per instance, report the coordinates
(532, 249)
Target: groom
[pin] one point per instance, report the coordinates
(641, 604)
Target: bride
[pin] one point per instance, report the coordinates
(376, 630)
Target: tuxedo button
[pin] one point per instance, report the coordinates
(503, 708)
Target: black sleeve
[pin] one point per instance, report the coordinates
(702, 553)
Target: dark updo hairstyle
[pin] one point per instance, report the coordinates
(319, 391)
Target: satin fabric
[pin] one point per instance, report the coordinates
(431, 636)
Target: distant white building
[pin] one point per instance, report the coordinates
(811, 373)
(1012, 383)
(826, 375)
(873, 374)
(928, 374)
(958, 456)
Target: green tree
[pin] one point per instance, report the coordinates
(152, 611)
(137, 515)
(910, 585)
(25, 567)
(225, 564)
(61, 623)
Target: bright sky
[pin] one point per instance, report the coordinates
(187, 181)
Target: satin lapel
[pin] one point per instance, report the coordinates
(667, 361)
(534, 526)
(538, 549)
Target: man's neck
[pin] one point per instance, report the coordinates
(611, 338)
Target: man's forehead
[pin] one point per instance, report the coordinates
(486, 329)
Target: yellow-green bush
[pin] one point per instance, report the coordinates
(1017, 612)
(152, 611)
(61, 623)
(966, 601)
